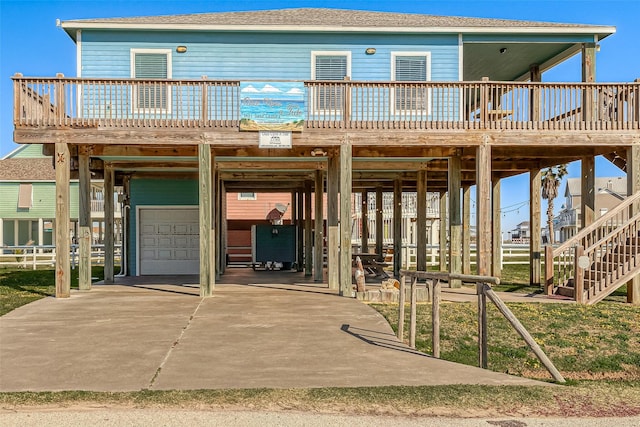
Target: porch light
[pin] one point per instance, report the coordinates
(503, 50)
(181, 49)
(370, 50)
(318, 152)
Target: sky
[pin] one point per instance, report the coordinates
(31, 44)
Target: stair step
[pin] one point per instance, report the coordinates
(565, 291)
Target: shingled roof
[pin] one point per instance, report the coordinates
(319, 18)
(27, 169)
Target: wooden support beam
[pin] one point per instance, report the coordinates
(466, 230)
(442, 240)
(588, 194)
(109, 247)
(62, 240)
(300, 228)
(397, 227)
(318, 260)
(483, 210)
(379, 222)
(633, 186)
(455, 221)
(496, 231)
(333, 189)
(308, 231)
(535, 228)
(346, 288)
(364, 238)
(84, 221)
(535, 75)
(421, 221)
(589, 106)
(207, 233)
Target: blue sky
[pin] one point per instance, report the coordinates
(30, 43)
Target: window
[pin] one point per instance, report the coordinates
(247, 196)
(151, 64)
(411, 67)
(329, 66)
(25, 197)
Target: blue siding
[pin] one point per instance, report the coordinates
(263, 56)
(157, 192)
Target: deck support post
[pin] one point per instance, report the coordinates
(221, 225)
(333, 254)
(206, 222)
(308, 231)
(535, 229)
(466, 229)
(300, 227)
(62, 240)
(483, 209)
(397, 227)
(588, 194)
(379, 222)
(318, 260)
(346, 288)
(633, 186)
(421, 221)
(442, 253)
(84, 220)
(535, 75)
(455, 220)
(109, 249)
(589, 109)
(496, 232)
(364, 238)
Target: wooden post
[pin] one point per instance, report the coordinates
(379, 222)
(421, 221)
(126, 217)
(442, 253)
(333, 184)
(548, 270)
(535, 231)
(319, 228)
(633, 186)
(364, 238)
(483, 209)
(482, 326)
(412, 313)
(397, 227)
(300, 227)
(535, 75)
(435, 317)
(588, 195)
(401, 303)
(496, 232)
(346, 288)
(308, 231)
(207, 237)
(84, 220)
(466, 230)
(455, 220)
(578, 275)
(109, 249)
(589, 110)
(63, 244)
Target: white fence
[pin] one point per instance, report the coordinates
(33, 256)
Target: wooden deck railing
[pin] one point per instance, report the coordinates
(600, 257)
(132, 103)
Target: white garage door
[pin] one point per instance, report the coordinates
(169, 242)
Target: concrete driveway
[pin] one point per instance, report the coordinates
(157, 333)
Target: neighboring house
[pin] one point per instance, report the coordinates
(521, 234)
(318, 102)
(28, 191)
(609, 193)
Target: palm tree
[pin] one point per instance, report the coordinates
(551, 179)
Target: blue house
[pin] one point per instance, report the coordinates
(321, 103)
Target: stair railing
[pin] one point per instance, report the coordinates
(561, 263)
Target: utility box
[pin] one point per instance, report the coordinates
(273, 244)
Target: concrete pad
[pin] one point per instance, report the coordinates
(152, 334)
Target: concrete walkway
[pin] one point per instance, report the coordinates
(157, 333)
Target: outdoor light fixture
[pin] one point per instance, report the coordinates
(503, 50)
(318, 152)
(181, 49)
(370, 50)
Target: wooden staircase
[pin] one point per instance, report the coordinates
(599, 259)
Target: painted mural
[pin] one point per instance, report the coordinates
(272, 106)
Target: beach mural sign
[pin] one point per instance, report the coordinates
(276, 106)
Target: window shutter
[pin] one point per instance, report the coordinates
(411, 68)
(25, 197)
(151, 66)
(331, 67)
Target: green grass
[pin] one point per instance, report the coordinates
(19, 287)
